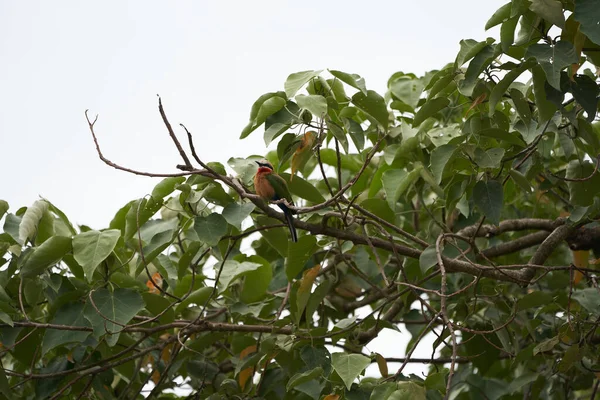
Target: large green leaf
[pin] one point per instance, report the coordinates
(499, 16)
(92, 247)
(350, 79)
(211, 229)
(489, 197)
(47, 254)
(31, 219)
(429, 109)
(303, 189)
(110, 311)
(71, 314)
(500, 89)
(266, 105)
(233, 270)
(236, 213)
(3, 208)
(550, 10)
(374, 105)
(439, 158)
(490, 158)
(553, 59)
(295, 81)
(256, 282)
(314, 103)
(589, 298)
(297, 255)
(587, 13)
(349, 366)
(583, 192)
(468, 49)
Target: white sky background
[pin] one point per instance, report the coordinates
(209, 61)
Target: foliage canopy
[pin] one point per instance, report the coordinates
(463, 203)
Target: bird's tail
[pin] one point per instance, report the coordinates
(290, 221)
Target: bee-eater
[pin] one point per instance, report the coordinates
(303, 152)
(271, 186)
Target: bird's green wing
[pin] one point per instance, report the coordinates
(280, 187)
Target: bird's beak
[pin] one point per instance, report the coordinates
(258, 162)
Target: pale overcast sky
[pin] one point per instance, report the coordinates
(208, 60)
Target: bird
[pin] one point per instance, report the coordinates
(271, 186)
(303, 152)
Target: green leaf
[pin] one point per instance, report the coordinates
(297, 255)
(533, 300)
(429, 109)
(303, 377)
(31, 219)
(437, 381)
(374, 105)
(349, 366)
(266, 105)
(397, 181)
(350, 79)
(4, 385)
(276, 237)
(198, 297)
(553, 59)
(408, 391)
(314, 103)
(114, 309)
(157, 304)
(586, 91)
(489, 197)
(550, 10)
(92, 247)
(47, 254)
(303, 189)
(587, 13)
(440, 135)
(274, 131)
(439, 158)
(211, 229)
(233, 270)
(501, 15)
(481, 60)
(490, 158)
(500, 89)
(409, 90)
(3, 208)
(546, 108)
(582, 193)
(545, 346)
(166, 186)
(507, 33)
(427, 259)
(503, 135)
(295, 81)
(589, 299)
(521, 180)
(468, 49)
(256, 282)
(71, 314)
(236, 213)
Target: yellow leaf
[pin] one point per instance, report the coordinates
(580, 260)
(308, 278)
(332, 397)
(248, 372)
(382, 364)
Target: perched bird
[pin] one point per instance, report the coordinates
(271, 186)
(303, 152)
